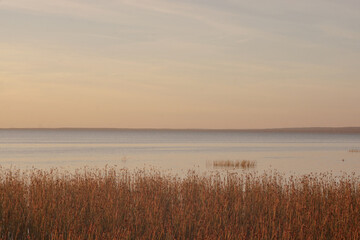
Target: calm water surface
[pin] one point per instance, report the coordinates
(179, 150)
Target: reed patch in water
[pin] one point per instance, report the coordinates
(354, 150)
(244, 164)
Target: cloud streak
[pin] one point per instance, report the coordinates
(73, 8)
(231, 57)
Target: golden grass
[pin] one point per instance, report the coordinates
(244, 164)
(116, 204)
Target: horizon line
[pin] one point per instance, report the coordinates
(286, 129)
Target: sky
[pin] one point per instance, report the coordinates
(217, 64)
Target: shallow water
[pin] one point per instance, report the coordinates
(180, 150)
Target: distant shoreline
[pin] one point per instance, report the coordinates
(280, 130)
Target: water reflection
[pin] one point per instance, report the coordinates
(181, 151)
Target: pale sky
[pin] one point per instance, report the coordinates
(179, 63)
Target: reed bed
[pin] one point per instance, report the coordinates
(244, 164)
(354, 150)
(117, 204)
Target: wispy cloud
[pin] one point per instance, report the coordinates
(341, 32)
(116, 11)
(213, 16)
(59, 7)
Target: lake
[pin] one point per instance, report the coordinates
(180, 150)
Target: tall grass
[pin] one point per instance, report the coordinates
(117, 204)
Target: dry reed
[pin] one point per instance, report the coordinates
(354, 150)
(117, 204)
(244, 164)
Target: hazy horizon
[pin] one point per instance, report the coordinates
(350, 129)
(162, 64)
(180, 150)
